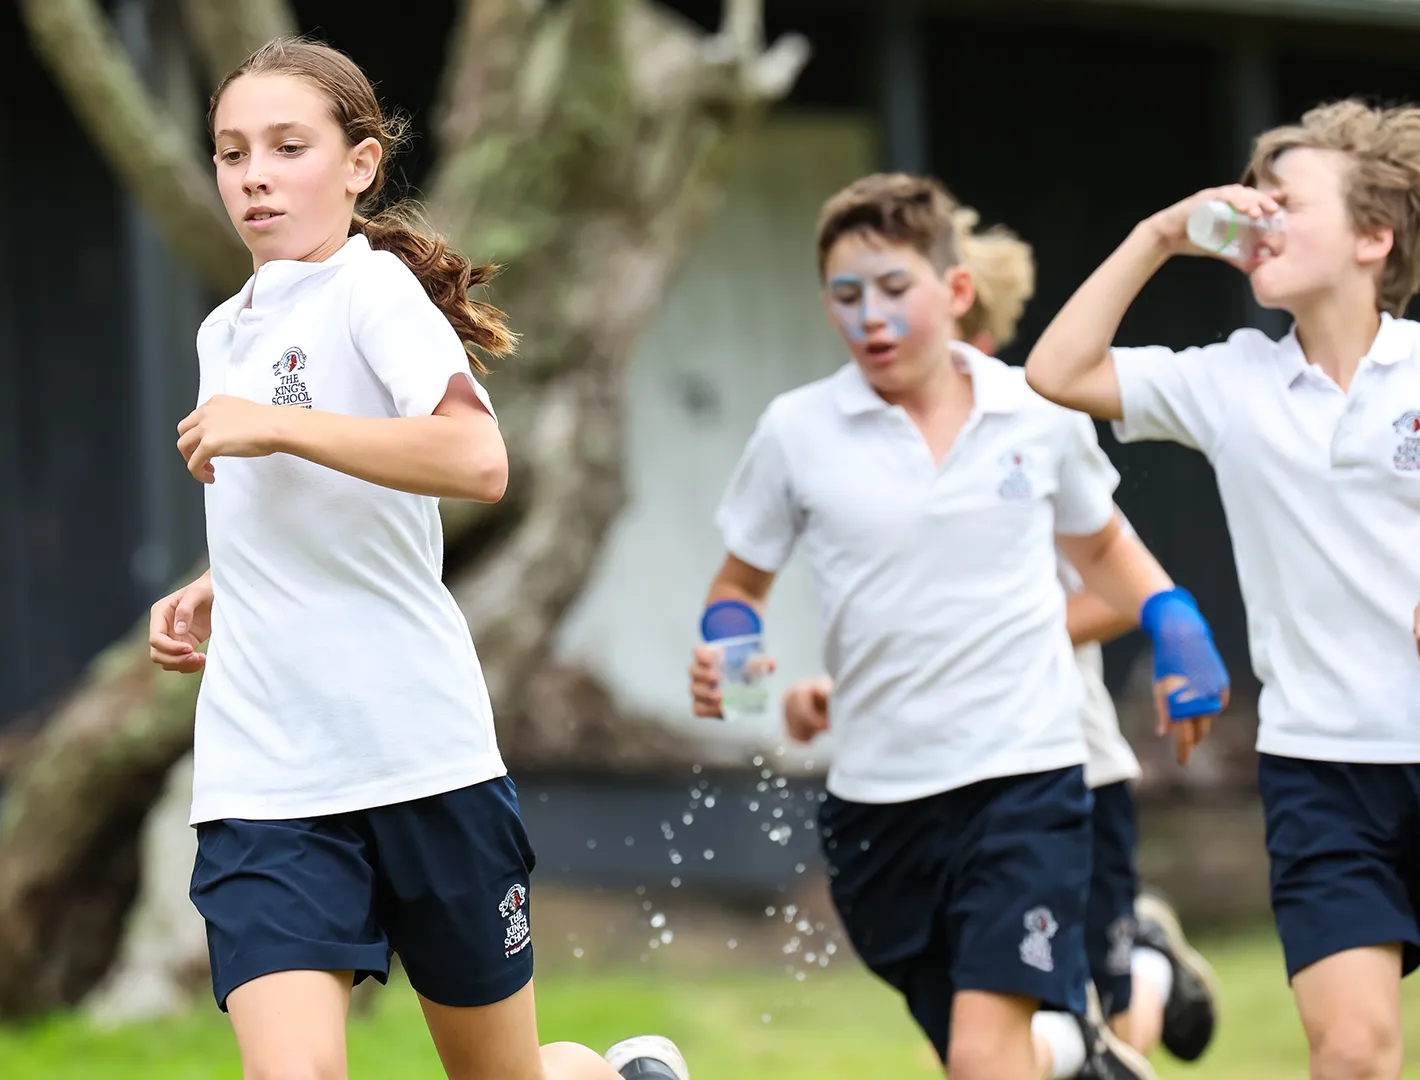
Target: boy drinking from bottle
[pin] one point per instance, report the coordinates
(1315, 440)
(929, 487)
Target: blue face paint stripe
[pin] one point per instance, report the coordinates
(897, 324)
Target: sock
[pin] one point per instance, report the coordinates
(1154, 968)
(1061, 1032)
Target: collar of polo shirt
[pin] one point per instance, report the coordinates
(1392, 345)
(277, 276)
(993, 388)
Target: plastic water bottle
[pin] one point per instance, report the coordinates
(1220, 229)
(734, 628)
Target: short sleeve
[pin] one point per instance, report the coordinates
(1084, 496)
(406, 340)
(759, 516)
(1173, 396)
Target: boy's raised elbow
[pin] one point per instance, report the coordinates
(1038, 376)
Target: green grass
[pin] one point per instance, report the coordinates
(835, 1026)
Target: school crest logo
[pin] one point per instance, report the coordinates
(1035, 946)
(1016, 484)
(1407, 444)
(291, 387)
(293, 359)
(514, 908)
(1121, 945)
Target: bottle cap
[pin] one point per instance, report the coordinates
(729, 619)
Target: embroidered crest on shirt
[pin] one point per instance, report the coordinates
(290, 386)
(1407, 446)
(1035, 946)
(514, 908)
(1016, 484)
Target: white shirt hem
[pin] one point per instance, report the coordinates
(216, 806)
(1349, 751)
(880, 791)
(1098, 776)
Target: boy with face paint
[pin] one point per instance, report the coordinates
(929, 487)
(1315, 440)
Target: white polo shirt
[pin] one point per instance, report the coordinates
(944, 623)
(1322, 493)
(1111, 759)
(340, 673)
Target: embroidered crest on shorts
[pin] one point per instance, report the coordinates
(1035, 946)
(1121, 945)
(514, 908)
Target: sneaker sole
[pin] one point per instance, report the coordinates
(1156, 910)
(1136, 1062)
(648, 1047)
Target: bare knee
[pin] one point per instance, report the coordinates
(1355, 1048)
(294, 1070)
(987, 1054)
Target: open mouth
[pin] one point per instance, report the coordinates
(881, 349)
(261, 215)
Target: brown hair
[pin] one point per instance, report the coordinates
(446, 275)
(1003, 268)
(911, 210)
(1382, 186)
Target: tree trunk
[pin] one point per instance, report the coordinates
(579, 143)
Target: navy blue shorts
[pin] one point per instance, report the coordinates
(981, 888)
(442, 881)
(1114, 886)
(1343, 841)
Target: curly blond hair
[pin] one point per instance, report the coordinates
(1382, 187)
(1003, 268)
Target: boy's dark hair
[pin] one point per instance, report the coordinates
(904, 209)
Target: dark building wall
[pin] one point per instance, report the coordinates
(66, 522)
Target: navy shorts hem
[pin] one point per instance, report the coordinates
(366, 961)
(1302, 955)
(1045, 989)
(473, 995)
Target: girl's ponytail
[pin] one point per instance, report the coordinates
(446, 276)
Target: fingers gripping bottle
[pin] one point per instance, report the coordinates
(1220, 229)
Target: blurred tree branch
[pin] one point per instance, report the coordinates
(148, 153)
(228, 32)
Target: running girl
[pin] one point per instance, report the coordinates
(349, 797)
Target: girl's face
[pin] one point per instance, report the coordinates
(287, 177)
(895, 312)
(1318, 253)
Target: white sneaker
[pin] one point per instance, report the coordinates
(648, 1057)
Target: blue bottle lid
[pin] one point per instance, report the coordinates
(729, 619)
